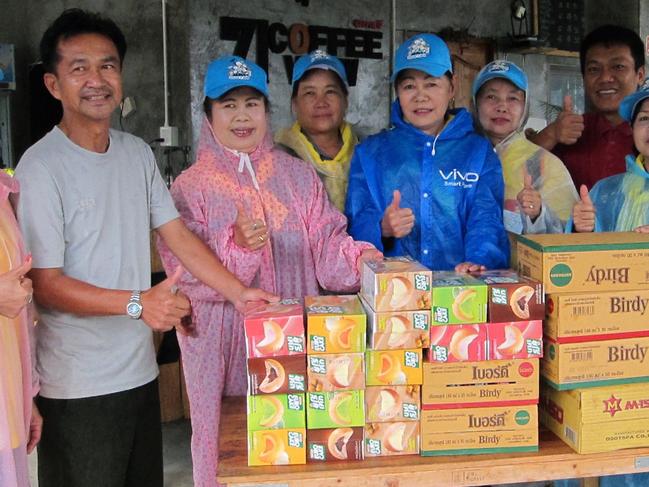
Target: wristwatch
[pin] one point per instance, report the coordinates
(134, 306)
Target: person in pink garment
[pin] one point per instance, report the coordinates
(266, 215)
(20, 421)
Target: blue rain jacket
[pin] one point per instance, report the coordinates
(452, 182)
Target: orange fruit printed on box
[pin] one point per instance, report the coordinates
(393, 367)
(275, 328)
(277, 447)
(458, 343)
(335, 324)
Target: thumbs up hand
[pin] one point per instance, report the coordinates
(569, 125)
(163, 307)
(15, 290)
(249, 234)
(397, 222)
(529, 199)
(583, 213)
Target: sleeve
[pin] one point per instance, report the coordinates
(546, 222)
(485, 239)
(162, 209)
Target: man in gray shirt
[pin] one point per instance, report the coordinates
(90, 196)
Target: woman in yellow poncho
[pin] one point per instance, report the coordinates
(539, 192)
(320, 135)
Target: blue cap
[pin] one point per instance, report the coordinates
(318, 59)
(630, 103)
(423, 52)
(228, 72)
(500, 69)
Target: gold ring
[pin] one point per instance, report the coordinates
(29, 298)
(261, 238)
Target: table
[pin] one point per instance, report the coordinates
(554, 460)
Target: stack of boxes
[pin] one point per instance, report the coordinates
(396, 297)
(336, 378)
(597, 336)
(275, 347)
(480, 383)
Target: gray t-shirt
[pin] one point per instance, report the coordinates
(91, 215)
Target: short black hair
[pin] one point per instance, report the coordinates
(310, 72)
(613, 35)
(207, 101)
(402, 75)
(73, 22)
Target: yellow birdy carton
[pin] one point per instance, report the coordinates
(580, 317)
(598, 363)
(277, 447)
(479, 430)
(335, 324)
(480, 384)
(584, 262)
(598, 419)
(393, 367)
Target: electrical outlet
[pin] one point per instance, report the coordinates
(128, 106)
(169, 136)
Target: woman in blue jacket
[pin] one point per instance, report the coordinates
(429, 187)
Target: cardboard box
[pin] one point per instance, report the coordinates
(517, 339)
(586, 262)
(276, 411)
(480, 384)
(389, 439)
(335, 409)
(458, 343)
(600, 363)
(277, 447)
(457, 299)
(396, 283)
(277, 375)
(583, 317)
(389, 330)
(479, 430)
(511, 297)
(598, 419)
(335, 324)
(392, 403)
(334, 445)
(393, 367)
(336, 372)
(275, 329)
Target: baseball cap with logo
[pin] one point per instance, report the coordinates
(423, 52)
(318, 59)
(228, 72)
(500, 69)
(632, 102)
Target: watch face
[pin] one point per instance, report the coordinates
(133, 309)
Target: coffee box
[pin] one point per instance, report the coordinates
(586, 262)
(479, 430)
(395, 284)
(393, 367)
(389, 330)
(277, 447)
(480, 384)
(336, 372)
(334, 444)
(335, 324)
(598, 363)
(335, 409)
(511, 297)
(457, 299)
(277, 375)
(275, 329)
(394, 438)
(276, 411)
(583, 317)
(458, 343)
(392, 403)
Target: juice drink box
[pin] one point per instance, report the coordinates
(393, 367)
(511, 297)
(479, 430)
(334, 444)
(395, 284)
(394, 438)
(339, 409)
(388, 330)
(594, 364)
(275, 329)
(598, 419)
(336, 372)
(277, 375)
(335, 324)
(392, 403)
(458, 343)
(517, 339)
(276, 411)
(584, 317)
(586, 262)
(480, 384)
(277, 447)
(457, 299)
